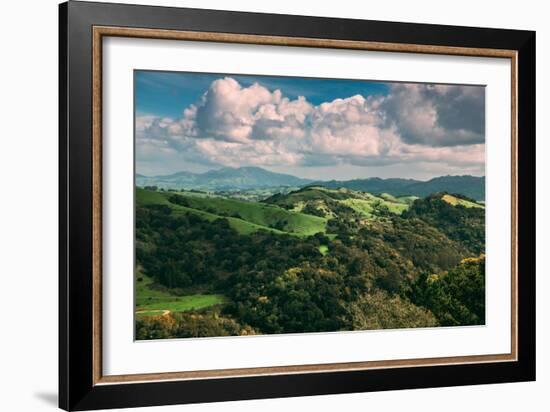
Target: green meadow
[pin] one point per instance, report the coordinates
(455, 201)
(244, 216)
(153, 300)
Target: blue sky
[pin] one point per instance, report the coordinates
(167, 93)
(309, 127)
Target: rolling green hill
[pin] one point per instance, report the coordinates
(243, 216)
(453, 200)
(408, 199)
(331, 203)
(303, 212)
(149, 197)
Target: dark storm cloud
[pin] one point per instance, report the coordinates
(437, 115)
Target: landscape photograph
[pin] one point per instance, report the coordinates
(274, 205)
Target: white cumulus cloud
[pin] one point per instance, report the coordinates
(232, 125)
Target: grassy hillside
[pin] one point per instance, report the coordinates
(303, 212)
(453, 200)
(151, 301)
(297, 199)
(327, 202)
(183, 303)
(407, 199)
(245, 217)
(148, 197)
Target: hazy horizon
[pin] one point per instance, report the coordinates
(302, 177)
(318, 129)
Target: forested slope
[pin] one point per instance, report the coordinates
(316, 260)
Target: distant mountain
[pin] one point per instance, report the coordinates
(247, 178)
(228, 178)
(470, 186)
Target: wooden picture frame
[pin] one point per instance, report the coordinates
(83, 26)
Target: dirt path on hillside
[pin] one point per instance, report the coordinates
(164, 311)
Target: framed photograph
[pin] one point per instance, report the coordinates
(256, 206)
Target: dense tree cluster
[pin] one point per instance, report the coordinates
(456, 297)
(379, 310)
(189, 325)
(465, 225)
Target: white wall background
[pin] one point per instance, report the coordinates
(28, 204)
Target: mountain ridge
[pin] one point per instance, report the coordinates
(250, 178)
(227, 178)
(467, 185)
